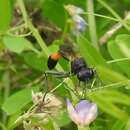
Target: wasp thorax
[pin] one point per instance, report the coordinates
(77, 65)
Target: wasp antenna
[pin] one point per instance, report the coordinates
(53, 59)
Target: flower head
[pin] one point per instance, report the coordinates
(78, 25)
(83, 113)
(73, 10)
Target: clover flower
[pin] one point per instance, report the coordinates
(83, 113)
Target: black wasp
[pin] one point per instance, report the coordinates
(78, 64)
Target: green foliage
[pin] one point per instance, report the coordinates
(35, 61)
(23, 61)
(111, 77)
(119, 48)
(5, 14)
(118, 125)
(18, 101)
(63, 119)
(57, 12)
(16, 44)
(91, 55)
(107, 104)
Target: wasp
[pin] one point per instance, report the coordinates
(78, 64)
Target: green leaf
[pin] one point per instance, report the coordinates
(17, 44)
(116, 97)
(55, 12)
(5, 14)
(108, 107)
(18, 101)
(122, 42)
(107, 104)
(91, 55)
(12, 119)
(49, 125)
(118, 125)
(127, 125)
(63, 119)
(109, 76)
(54, 47)
(35, 61)
(120, 48)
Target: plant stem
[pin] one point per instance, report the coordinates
(113, 85)
(118, 60)
(102, 16)
(103, 3)
(2, 126)
(23, 10)
(113, 30)
(83, 128)
(92, 23)
(6, 83)
(39, 39)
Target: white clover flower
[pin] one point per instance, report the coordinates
(83, 113)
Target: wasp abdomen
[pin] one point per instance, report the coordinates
(85, 74)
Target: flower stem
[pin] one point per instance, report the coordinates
(92, 23)
(102, 16)
(2, 126)
(83, 128)
(103, 3)
(23, 10)
(6, 81)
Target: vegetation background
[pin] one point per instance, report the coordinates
(30, 30)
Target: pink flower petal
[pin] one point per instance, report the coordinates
(82, 108)
(72, 112)
(91, 115)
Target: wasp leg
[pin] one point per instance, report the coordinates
(46, 85)
(85, 89)
(76, 88)
(93, 83)
(98, 79)
(59, 74)
(55, 74)
(64, 75)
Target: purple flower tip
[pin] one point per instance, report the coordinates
(79, 25)
(83, 113)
